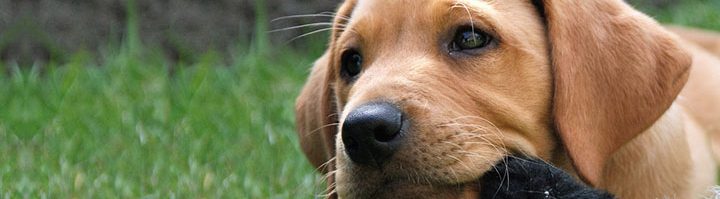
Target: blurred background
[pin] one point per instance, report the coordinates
(171, 98)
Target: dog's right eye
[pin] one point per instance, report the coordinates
(469, 38)
(351, 61)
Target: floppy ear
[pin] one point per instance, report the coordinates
(314, 117)
(316, 109)
(616, 72)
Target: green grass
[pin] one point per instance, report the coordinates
(127, 127)
(694, 13)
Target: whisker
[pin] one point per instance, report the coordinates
(333, 115)
(472, 24)
(303, 16)
(481, 132)
(330, 187)
(489, 136)
(335, 14)
(495, 129)
(507, 173)
(488, 161)
(330, 173)
(327, 176)
(308, 34)
(506, 176)
(499, 150)
(476, 154)
(495, 148)
(412, 176)
(321, 127)
(460, 162)
(302, 26)
(457, 179)
(326, 164)
(329, 191)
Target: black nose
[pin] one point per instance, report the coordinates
(369, 133)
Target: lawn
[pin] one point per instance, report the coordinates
(127, 126)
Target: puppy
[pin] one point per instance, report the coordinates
(420, 98)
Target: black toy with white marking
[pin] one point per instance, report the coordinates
(520, 178)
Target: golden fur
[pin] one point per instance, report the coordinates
(593, 86)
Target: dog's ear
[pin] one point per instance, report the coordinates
(316, 109)
(616, 72)
(314, 117)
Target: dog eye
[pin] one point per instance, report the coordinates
(467, 38)
(351, 63)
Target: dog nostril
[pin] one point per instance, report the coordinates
(385, 133)
(351, 144)
(370, 131)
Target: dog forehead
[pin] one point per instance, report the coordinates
(394, 13)
(373, 6)
(405, 7)
(376, 5)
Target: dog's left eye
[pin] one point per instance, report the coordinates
(351, 63)
(468, 38)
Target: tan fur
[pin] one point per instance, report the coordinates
(702, 93)
(616, 72)
(710, 41)
(310, 124)
(600, 72)
(669, 160)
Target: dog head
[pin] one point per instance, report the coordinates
(427, 95)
